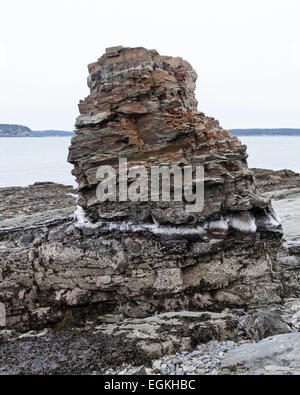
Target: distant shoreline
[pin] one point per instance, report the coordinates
(9, 130)
(266, 132)
(238, 134)
(35, 137)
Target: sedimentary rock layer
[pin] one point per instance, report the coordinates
(136, 259)
(52, 266)
(142, 107)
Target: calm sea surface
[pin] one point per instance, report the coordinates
(271, 152)
(24, 161)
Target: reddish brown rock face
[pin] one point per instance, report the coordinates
(142, 107)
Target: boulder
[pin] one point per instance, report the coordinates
(265, 324)
(275, 355)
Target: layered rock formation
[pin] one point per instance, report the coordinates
(142, 107)
(138, 259)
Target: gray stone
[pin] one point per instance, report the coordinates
(167, 333)
(26, 238)
(188, 369)
(264, 324)
(163, 371)
(290, 262)
(140, 372)
(282, 351)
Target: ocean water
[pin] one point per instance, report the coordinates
(273, 152)
(24, 161)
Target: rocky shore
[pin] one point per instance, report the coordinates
(149, 287)
(113, 344)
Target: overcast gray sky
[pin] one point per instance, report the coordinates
(246, 54)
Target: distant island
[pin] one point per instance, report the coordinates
(265, 132)
(23, 131)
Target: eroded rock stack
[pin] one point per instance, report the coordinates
(136, 259)
(142, 107)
